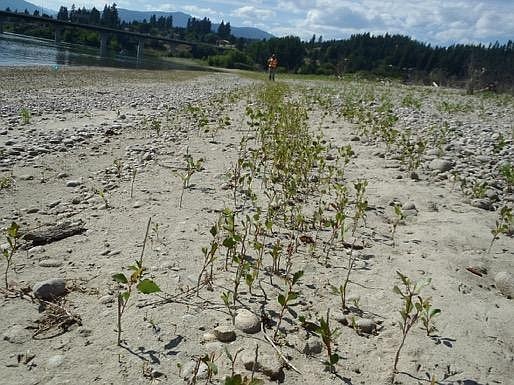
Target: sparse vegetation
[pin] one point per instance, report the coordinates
(413, 308)
(25, 116)
(13, 237)
(132, 282)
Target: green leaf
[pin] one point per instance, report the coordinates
(282, 300)
(12, 231)
(297, 276)
(334, 358)
(124, 296)
(147, 286)
(133, 267)
(212, 367)
(229, 242)
(291, 296)
(214, 230)
(234, 380)
(397, 290)
(227, 352)
(435, 312)
(120, 278)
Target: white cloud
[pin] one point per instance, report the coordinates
(201, 12)
(435, 21)
(250, 12)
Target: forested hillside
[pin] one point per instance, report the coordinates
(476, 66)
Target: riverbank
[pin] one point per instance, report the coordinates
(102, 150)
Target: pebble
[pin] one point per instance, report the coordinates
(409, 206)
(312, 347)
(225, 333)
(504, 282)
(208, 337)
(268, 364)
(188, 371)
(55, 361)
(50, 263)
(366, 325)
(73, 183)
(26, 177)
(54, 203)
(247, 322)
(441, 165)
(49, 289)
(484, 204)
(17, 334)
(106, 299)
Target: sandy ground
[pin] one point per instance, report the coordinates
(62, 166)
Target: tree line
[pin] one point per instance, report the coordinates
(384, 55)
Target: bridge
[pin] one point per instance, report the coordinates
(105, 32)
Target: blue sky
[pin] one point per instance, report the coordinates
(434, 21)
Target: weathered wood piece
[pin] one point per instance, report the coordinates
(52, 233)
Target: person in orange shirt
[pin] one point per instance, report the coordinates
(272, 67)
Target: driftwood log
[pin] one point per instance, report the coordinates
(55, 232)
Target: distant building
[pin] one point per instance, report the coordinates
(225, 44)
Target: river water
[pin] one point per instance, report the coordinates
(18, 50)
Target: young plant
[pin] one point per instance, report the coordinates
(478, 190)
(101, 194)
(242, 270)
(328, 337)
(13, 238)
(504, 224)
(276, 253)
(237, 379)
(134, 172)
(6, 182)
(338, 222)
(25, 116)
(226, 296)
(209, 256)
(233, 238)
(428, 313)
(118, 164)
(399, 216)
(131, 283)
(413, 307)
(192, 167)
(212, 368)
(287, 297)
(507, 172)
(155, 125)
(361, 205)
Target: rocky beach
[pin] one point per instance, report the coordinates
(254, 246)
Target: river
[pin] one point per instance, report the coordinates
(19, 50)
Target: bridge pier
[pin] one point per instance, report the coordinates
(104, 37)
(1, 25)
(140, 49)
(58, 33)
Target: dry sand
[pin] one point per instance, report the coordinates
(82, 120)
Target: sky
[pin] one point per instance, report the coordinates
(439, 22)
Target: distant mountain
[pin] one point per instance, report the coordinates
(180, 20)
(250, 33)
(22, 5)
